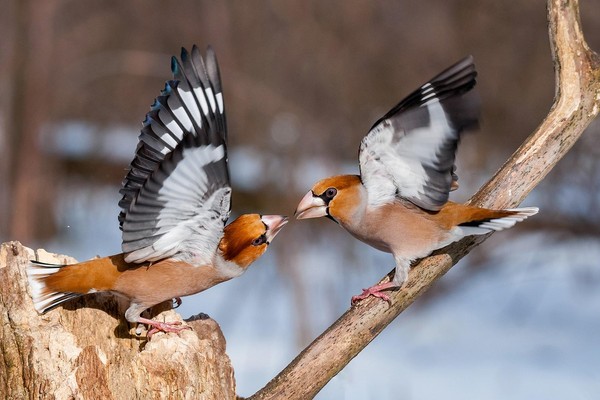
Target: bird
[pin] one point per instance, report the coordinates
(399, 201)
(176, 200)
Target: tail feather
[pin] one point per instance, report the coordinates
(497, 224)
(45, 299)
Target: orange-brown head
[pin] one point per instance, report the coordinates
(338, 198)
(247, 238)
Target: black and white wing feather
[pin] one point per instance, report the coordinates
(176, 195)
(410, 151)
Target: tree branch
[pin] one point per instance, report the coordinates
(576, 104)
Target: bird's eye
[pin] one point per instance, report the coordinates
(330, 193)
(259, 240)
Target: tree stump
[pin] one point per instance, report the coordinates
(86, 350)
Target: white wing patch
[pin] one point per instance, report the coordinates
(190, 102)
(202, 99)
(176, 195)
(220, 102)
(410, 151)
(394, 162)
(211, 98)
(193, 240)
(183, 221)
(180, 115)
(189, 174)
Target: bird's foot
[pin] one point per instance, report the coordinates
(369, 292)
(375, 291)
(161, 327)
(177, 302)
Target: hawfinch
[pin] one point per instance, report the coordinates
(176, 200)
(399, 202)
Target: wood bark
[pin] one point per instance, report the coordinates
(576, 104)
(86, 350)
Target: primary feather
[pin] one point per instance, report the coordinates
(410, 151)
(176, 195)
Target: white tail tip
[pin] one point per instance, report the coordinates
(43, 298)
(499, 224)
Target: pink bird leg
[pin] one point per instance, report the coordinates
(374, 291)
(162, 326)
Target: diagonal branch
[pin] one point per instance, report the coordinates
(576, 104)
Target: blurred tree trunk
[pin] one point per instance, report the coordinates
(31, 69)
(89, 353)
(576, 104)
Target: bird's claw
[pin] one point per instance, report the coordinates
(166, 327)
(375, 291)
(366, 293)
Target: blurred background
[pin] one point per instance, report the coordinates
(518, 318)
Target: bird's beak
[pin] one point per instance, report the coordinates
(311, 207)
(274, 224)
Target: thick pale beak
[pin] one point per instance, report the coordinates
(311, 207)
(274, 224)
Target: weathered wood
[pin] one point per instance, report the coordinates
(89, 353)
(576, 104)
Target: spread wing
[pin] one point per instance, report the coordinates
(176, 195)
(410, 151)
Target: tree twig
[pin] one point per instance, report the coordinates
(576, 104)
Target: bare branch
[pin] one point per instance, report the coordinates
(576, 105)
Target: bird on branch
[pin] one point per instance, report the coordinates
(399, 202)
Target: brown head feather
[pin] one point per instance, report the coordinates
(236, 244)
(350, 194)
(339, 182)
